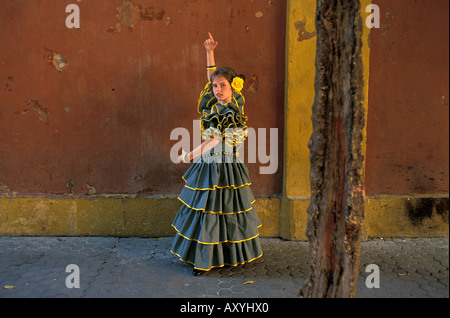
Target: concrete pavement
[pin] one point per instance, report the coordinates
(35, 267)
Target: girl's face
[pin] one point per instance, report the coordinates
(222, 89)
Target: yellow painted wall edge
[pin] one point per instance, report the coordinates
(122, 216)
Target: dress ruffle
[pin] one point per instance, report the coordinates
(209, 177)
(217, 224)
(207, 100)
(232, 254)
(226, 122)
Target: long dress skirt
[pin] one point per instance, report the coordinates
(217, 224)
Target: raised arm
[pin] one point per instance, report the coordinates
(210, 45)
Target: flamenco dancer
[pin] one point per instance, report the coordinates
(217, 224)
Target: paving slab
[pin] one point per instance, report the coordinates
(112, 267)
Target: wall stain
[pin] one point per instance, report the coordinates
(42, 111)
(146, 191)
(252, 84)
(91, 189)
(34, 105)
(386, 27)
(131, 14)
(303, 35)
(4, 188)
(70, 185)
(422, 208)
(168, 21)
(9, 85)
(55, 59)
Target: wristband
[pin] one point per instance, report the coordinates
(212, 67)
(184, 159)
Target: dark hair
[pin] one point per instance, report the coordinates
(228, 73)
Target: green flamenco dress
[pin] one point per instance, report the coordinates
(217, 224)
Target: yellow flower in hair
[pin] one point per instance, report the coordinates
(237, 84)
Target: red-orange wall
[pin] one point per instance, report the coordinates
(103, 124)
(408, 115)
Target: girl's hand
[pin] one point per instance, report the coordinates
(210, 44)
(180, 158)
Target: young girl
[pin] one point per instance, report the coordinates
(217, 224)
